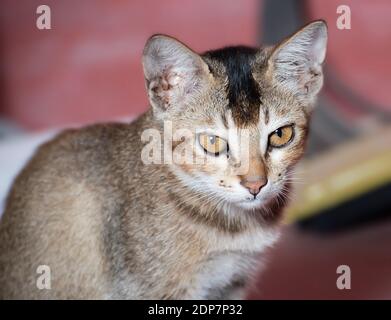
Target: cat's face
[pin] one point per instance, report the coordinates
(245, 112)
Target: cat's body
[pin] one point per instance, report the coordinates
(85, 221)
(111, 226)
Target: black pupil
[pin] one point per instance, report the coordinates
(212, 139)
(279, 132)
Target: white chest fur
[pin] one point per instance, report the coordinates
(217, 274)
(232, 258)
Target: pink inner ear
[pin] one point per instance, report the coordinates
(166, 88)
(309, 81)
(165, 80)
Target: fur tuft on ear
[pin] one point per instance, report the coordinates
(174, 74)
(296, 63)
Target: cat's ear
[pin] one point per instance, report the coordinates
(174, 74)
(296, 63)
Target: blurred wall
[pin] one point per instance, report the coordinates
(88, 66)
(360, 57)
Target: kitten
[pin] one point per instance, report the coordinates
(111, 225)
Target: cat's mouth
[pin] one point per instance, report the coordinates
(255, 201)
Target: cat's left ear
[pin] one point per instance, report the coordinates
(296, 63)
(174, 74)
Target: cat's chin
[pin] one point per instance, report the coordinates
(251, 204)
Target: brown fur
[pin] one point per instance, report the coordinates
(110, 226)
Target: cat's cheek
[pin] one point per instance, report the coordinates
(292, 156)
(284, 158)
(278, 165)
(211, 171)
(277, 159)
(215, 165)
(229, 183)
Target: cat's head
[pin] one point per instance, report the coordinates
(248, 110)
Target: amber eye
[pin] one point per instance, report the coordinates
(212, 144)
(281, 136)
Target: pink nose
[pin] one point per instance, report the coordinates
(254, 185)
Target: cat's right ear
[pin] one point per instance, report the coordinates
(174, 74)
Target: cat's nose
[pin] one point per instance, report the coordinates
(254, 185)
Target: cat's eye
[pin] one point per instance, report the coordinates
(212, 144)
(280, 137)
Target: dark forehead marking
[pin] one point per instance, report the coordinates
(242, 90)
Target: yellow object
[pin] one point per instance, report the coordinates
(342, 174)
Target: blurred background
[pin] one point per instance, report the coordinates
(87, 69)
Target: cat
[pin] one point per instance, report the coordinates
(108, 224)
